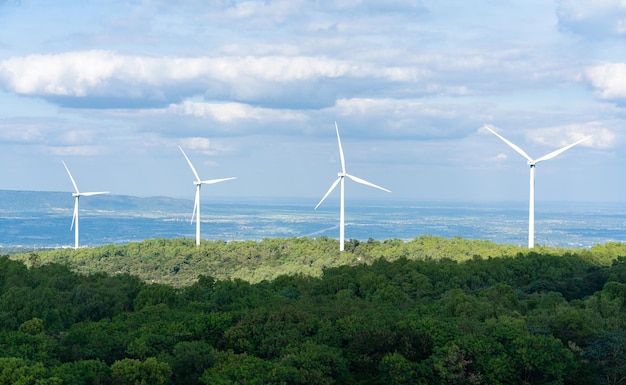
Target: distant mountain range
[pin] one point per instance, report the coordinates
(12, 201)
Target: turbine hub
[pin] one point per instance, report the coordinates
(531, 163)
(341, 174)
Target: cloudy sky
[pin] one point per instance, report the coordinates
(252, 89)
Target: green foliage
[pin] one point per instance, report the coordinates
(135, 372)
(37, 348)
(395, 369)
(189, 360)
(608, 352)
(178, 262)
(233, 369)
(92, 372)
(296, 311)
(33, 326)
(16, 371)
(316, 364)
(155, 294)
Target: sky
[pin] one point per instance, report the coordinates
(252, 89)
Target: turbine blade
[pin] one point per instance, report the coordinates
(196, 203)
(190, 165)
(513, 146)
(560, 150)
(213, 181)
(363, 181)
(88, 194)
(343, 162)
(75, 215)
(70, 174)
(332, 187)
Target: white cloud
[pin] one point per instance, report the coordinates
(410, 118)
(71, 74)
(231, 112)
(608, 79)
(205, 146)
(46, 131)
(598, 18)
(85, 150)
(196, 143)
(603, 137)
(14, 131)
(501, 157)
(106, 74)
(498, 161)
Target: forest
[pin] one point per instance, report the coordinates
(297, 311)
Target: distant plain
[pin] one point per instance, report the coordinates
(36, 220)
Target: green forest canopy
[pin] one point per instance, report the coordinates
(179, 262)
(429, 311)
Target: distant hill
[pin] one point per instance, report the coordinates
(12, 201)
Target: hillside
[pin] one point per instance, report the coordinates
(53, 202)
(429, 311)
(179, 262)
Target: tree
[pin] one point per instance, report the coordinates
(608, 353)
(397, 370)
(231, 369)
(16, 371)
(88, 372)
(135, 372)
(542, 359)
(317, 363)
(189, 361)
(155, 294)
(33, 326)
(452, 364)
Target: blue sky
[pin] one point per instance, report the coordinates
(252, 89)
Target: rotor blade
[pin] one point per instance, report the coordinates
(560, 150)
(190, 165)
(213, 181)
(332, 187)
(88, 194)
(513, 146)
(75, 215)
(70, 174)
(196, 203)
(343, 162)
(362, 181)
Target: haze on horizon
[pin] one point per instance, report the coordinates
(252, 89)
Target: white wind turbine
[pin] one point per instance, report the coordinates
(532, 162)
(77, 194)
(196, 206)
(342, 174)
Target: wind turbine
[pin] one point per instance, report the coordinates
(532, 162)
(77, 194)
(196, 206)
(342, 174)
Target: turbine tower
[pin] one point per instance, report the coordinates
(532, 163)
(77, 194)
(196, 206)
(342, 174)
